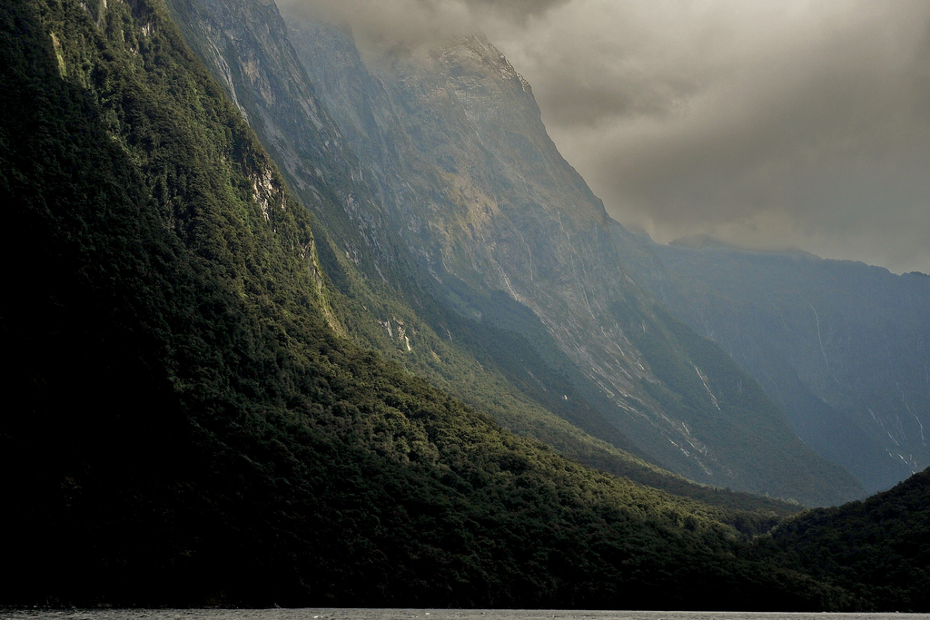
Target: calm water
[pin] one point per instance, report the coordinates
(425, 614)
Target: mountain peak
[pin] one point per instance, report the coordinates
(476, 54)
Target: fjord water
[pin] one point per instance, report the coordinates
(431, 614)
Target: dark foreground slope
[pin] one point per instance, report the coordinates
(184, 425)
(878, 548)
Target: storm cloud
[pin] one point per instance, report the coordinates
(766, 124)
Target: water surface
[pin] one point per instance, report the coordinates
(424, 614)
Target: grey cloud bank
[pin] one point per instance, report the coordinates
(765, 124)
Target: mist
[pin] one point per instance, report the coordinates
(763, 124)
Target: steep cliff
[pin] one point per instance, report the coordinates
(381, 295)
(513, 237)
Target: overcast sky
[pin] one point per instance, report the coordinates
(768, 124)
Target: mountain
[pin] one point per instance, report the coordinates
(189, 423)
(380, 296)
(508, 235)
(843, 348)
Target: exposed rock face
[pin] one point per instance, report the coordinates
(247, 48)
(843, 348)
(479, 191)
(447, 177)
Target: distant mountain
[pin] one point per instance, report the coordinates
(843, 348)
(461, 244)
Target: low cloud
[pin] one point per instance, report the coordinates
(784, 123)
(380, 25)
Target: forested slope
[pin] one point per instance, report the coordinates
(878, 548)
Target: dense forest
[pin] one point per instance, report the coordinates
(884, 537)
(189, 425)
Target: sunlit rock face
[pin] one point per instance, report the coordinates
(446, 154)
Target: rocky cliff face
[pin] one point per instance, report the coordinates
(474, 185)
(182, 419)
(843, 348)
